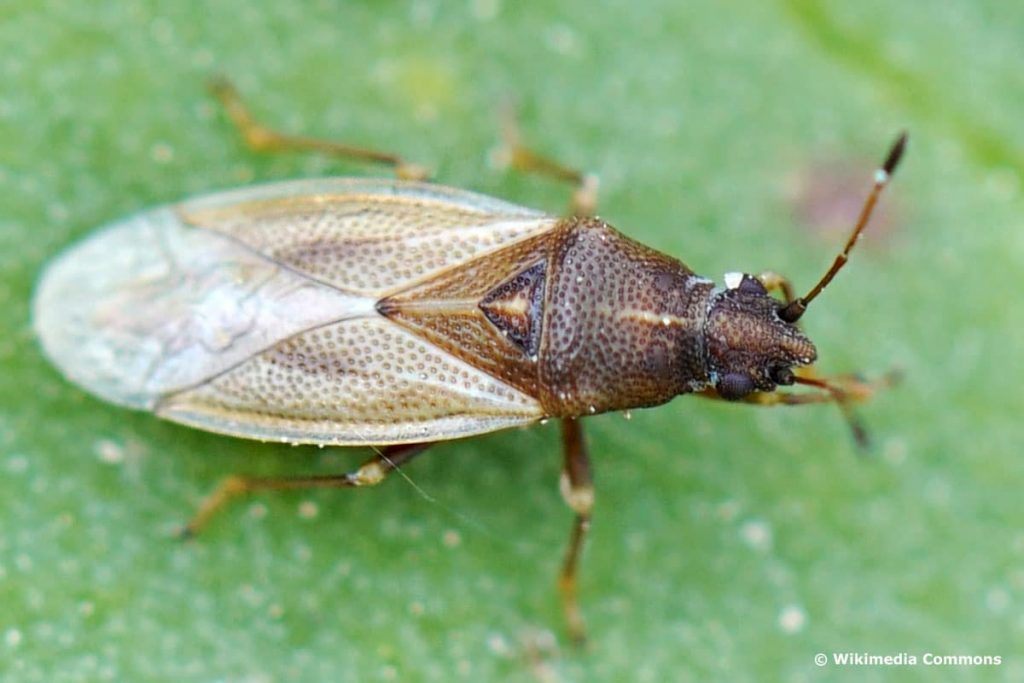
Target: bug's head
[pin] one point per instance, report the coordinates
(750, 345)
(752, 340)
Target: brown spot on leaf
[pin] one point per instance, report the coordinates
(826, 199)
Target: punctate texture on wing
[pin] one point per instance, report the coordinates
(367, 237)
(356, 381)
(193, 310)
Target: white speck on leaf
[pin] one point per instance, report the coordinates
(757, 534)
(792, 618)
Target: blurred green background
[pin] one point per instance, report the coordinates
(729, 543)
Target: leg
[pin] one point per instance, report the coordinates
(578, 492)
(842, 390)
(372, 472)
(263, 139)
(513, 153)
(773, 281)
(774, 398)
(848, 388)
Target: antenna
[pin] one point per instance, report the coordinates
(795, 309)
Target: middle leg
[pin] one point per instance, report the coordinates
(577, 490)
(513, 153)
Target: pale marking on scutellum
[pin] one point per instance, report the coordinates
(517, 306)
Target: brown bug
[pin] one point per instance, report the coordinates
(397, 313)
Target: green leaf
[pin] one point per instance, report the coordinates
(728, 543)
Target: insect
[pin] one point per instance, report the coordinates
(397, 313)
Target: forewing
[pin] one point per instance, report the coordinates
(365, 381)
(191, 311)
(370, 237)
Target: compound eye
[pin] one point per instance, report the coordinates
(751, 285)
(781, 375)
(734, 386)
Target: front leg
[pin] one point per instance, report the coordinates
(842, 390)
(578, 492)
(772, 281)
